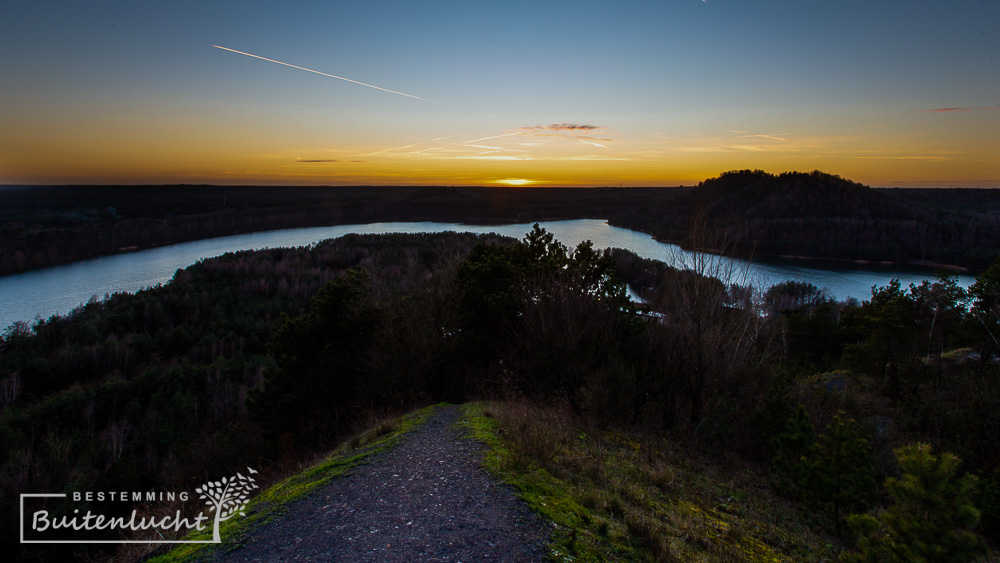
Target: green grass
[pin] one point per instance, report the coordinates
(610, 495)
(274, 501)
(620, 496)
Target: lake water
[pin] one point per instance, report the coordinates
(58, 290)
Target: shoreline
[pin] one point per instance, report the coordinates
(837, 263)
(916, 264)
(821, 263)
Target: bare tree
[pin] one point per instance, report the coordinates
(710, 329)
(10, 389)
(116, 435)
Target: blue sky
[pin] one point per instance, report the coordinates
(654, 93)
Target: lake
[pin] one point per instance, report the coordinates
(58, 290)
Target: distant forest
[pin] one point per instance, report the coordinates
(805, 215)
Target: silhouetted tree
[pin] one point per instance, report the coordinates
(889, 336)
(985, 311)
(939, 309)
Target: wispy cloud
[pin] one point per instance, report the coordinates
(318, 160)
(570, 127)
(541, 142)
(532, 140)
(926, 158)
(564, 130)
(490, 137)
(567, 131)
(749, 135)
(951, 110)
(540, 158)
(739, 141)
(742, 141)
(391, 150)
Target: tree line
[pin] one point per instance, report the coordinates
(44, 226)
(813, 215)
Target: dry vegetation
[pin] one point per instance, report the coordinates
(625, 495)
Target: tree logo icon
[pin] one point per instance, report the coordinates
(227, 497)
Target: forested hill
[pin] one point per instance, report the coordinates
(823, 216)
(756, 194)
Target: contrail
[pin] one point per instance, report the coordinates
(325, 74)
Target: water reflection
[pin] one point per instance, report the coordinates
(58, 290)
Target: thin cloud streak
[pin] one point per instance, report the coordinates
(747, 142)
(489, 147)
(749, 135)
(491, 137)
(572, 127)
(582, 157)
(929, 158)
(960, 110)
(572, 137)
(326, 74)
(391, 149)
(547, 145)
(569, 131)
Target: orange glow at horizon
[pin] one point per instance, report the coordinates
(163, 97)
(876, 171)
(163, 152)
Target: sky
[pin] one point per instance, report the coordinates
(534, 93)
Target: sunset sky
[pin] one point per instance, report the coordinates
(668, 92)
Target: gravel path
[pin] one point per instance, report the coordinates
(426, 500)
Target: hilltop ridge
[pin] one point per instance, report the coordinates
(795, 195)
(822, 216)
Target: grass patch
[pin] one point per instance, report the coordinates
(615, 495)
(275, 500)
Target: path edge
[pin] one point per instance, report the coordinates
(277, 499)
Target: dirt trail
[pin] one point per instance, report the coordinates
(426, 500)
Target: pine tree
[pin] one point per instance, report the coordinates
(931, 519)
(793, 444)
(837, 475)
